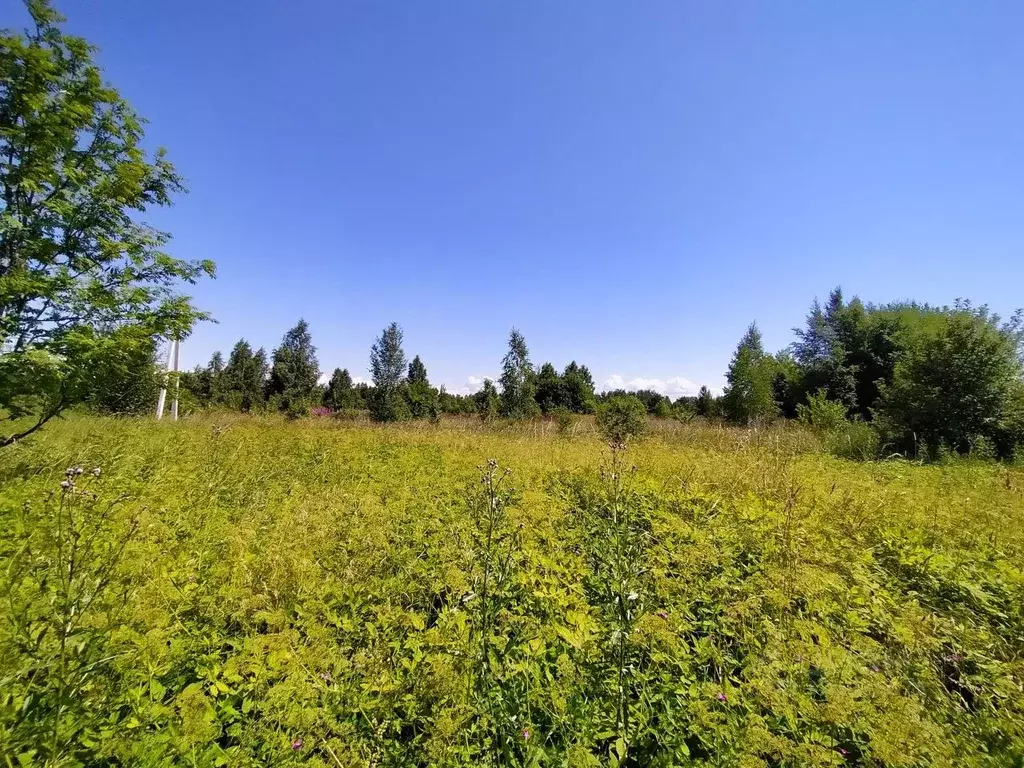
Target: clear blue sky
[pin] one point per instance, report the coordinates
(629, 183)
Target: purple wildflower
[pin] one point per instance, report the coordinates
(526, 734)
(297, 744)
(65, 484)
(722, 697)
(843, 752)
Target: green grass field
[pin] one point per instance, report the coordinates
(246, 591)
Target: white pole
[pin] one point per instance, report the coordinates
(163, 387)
(174, 402)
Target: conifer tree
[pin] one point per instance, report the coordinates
(295, 371)
(387, 366)
(339, 392)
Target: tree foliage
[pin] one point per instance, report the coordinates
(295, 370)
(387, 366)
(79, 272)
(749, 395)
(244, 378)
(957, 385)
(517, 380)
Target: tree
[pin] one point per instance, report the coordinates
(517, 380)
(215, 378)
(957, 385)
(295, 371)
(548, 393)
(417, 371)
(245, 377)
(822, 350)
(422, 397)
(578, 388)
(387, 366)
(748, 398)
(126, 382)
(339, 393)
(80, 275)
(487, 401)
(705, 404)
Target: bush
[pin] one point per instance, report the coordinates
(821, 413)
(566, 419)
(854, 440)
(621, 417)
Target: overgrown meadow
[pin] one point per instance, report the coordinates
(250, 591)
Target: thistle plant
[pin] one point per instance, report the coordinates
(618, 529)
(65, 593)
(496, 550)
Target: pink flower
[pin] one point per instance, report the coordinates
(526, 734)
(297, 744)
(722, 697)
(843, 752)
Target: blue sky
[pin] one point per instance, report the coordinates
(629, 183)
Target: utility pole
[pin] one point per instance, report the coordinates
(172, 363)
(174, 402)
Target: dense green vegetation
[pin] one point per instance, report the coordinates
(252, 591)
(537, 574)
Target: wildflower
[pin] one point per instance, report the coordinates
(662, 615)
(297, 744)
(325, 677)
(65, 484)
(843, 752)
(95, 471)
(526, 734)
(721, 697)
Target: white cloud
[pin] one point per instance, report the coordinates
(472, 385)
(674, 387)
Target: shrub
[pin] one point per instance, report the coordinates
(854, 440)
(566, 420)
(621, 417)
(821, 413)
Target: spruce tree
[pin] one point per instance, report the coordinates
(387, 366)
(417, 371)
(423, 398)
(517, 380)
(244, 376)
(339, 392)
(705, 402)
(295, 371)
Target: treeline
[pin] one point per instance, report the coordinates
(901, 377)
(288, 381)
